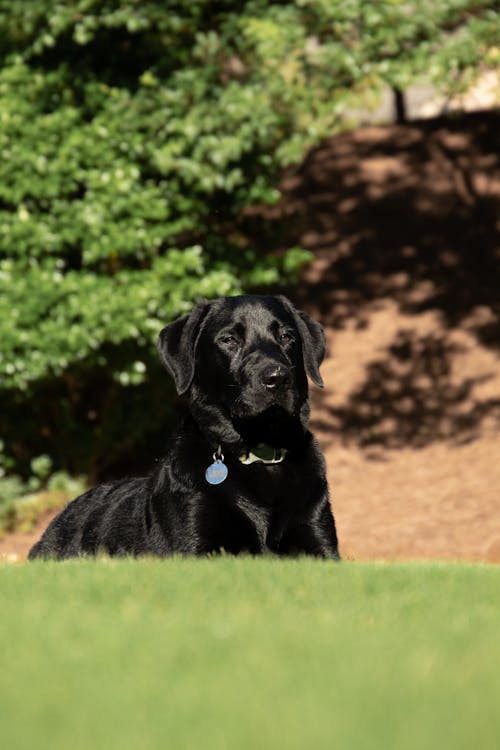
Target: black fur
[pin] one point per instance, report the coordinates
(243, 361)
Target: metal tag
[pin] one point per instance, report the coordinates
(217, 472)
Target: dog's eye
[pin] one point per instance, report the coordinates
(230, 341)
(285, 338)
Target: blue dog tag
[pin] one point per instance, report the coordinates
(216, 472)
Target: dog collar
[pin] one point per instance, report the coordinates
(217, 472)
(264, 454)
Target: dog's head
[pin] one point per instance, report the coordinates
(244, 354)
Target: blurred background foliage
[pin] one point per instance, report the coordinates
(135, 137)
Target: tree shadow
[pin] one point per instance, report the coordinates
(411, 397)
(406, 212)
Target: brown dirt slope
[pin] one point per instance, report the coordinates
(404, 225)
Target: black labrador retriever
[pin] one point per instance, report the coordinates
(242, 474)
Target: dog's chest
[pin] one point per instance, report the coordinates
(269, 503)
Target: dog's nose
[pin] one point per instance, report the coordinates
(275, 376)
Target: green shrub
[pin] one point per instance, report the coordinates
(135, 135)
(22, 503)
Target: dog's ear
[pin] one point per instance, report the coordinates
(177, 345)
(313, 341)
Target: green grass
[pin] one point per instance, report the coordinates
(241, 653)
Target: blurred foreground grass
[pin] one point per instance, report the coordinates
(245, 653)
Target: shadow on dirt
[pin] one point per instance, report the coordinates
(410, 398)
(412, 214)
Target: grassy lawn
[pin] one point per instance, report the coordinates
(242, 653)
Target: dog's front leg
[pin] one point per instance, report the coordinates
(311, 534)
